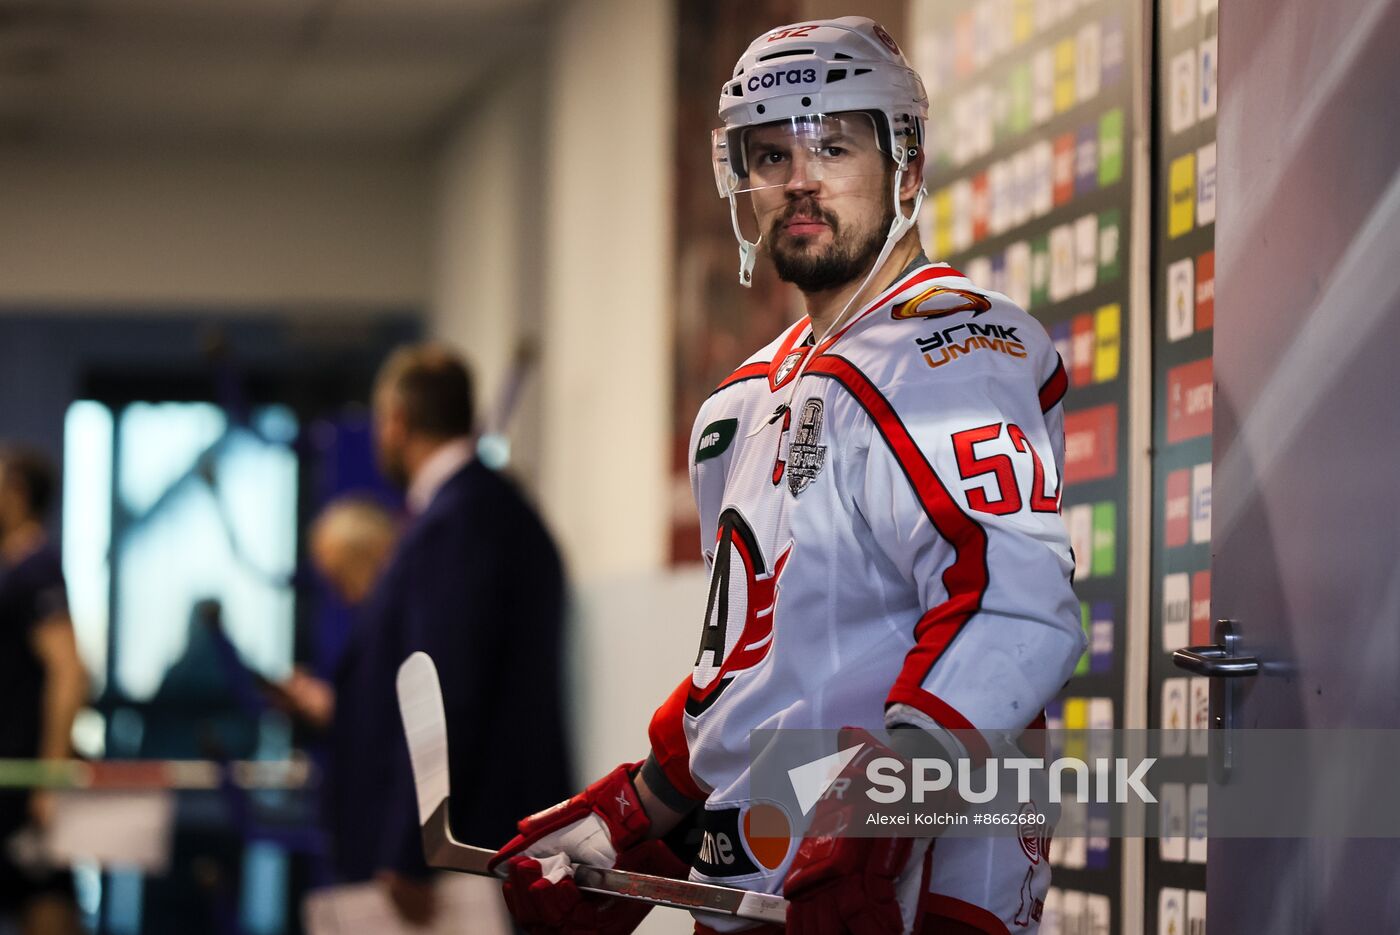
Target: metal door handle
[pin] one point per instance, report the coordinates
(1215, 660)
(1220, 661)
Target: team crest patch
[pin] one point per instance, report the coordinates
(938, 302)
(805, 456)
(788, 367)
(887, 39)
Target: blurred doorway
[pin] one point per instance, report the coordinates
(193, 453)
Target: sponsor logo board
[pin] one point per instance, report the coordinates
(1205, 185)
(1205, 290)
(1091, 444)
(1190, 398)
(1181, 86)
(1180, 305)
(1176, 611)
(1110, 147)
(1108, 339)
(1207, 78)
(1176, 519)
(1181, 182)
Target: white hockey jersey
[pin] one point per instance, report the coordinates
(886, 549)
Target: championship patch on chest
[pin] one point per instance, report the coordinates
(806, 456)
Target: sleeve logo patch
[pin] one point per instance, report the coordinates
(950, 344)
(938, 302)
(715, 439)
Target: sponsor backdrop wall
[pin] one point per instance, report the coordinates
(1030, 193)
(1183, 288)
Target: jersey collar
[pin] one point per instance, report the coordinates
(915, 276)
(797, 343)
(788, 360)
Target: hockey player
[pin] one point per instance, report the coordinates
(879, 497)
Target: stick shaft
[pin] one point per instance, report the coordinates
(446, 853)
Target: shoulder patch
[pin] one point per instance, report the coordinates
(939, 301)
(715, 439)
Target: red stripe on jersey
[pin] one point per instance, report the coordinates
(944, 715)
(746, 372)
(758, 368)
(1055, 388)
(965, 580)
(935, 906)
(668, 745)
(925, 274)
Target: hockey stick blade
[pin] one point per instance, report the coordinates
(425, 726)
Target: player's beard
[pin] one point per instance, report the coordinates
(841, 261)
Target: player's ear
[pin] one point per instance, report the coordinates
(913, 178)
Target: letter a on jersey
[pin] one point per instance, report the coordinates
(739, 614)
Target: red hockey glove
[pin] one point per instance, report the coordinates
(843, 884)
(602, 826)
(539, 904)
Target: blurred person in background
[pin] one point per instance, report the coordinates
(42, 681)
(350, 543)
(477, 583)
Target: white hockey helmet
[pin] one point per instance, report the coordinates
(810, 73)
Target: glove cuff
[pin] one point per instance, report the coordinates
(614, 799)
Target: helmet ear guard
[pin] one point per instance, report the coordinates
(901, 138)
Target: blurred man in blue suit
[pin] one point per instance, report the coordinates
(475, 582)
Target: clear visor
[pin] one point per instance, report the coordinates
(811, 148)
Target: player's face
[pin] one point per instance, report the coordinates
(822, 200)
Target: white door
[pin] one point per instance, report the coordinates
(1306, 506)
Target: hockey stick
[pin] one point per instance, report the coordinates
(425, 725)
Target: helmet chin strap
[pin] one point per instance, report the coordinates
(900, 226)
(748, 251)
